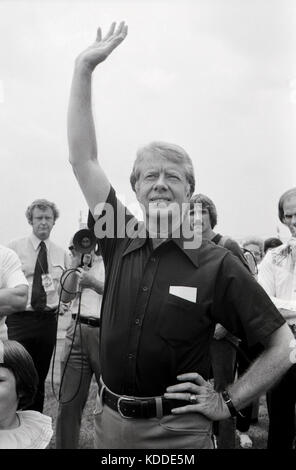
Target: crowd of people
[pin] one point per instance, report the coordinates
(182, 328)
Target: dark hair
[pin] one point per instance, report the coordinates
(170, 152)
(271, 242)
(208, 204)
(17, 359)
(282, 200)
(41, 204)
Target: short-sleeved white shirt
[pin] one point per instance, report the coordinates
(11, 275)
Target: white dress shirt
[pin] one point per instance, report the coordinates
(91, 301)
(277, 275)
(58, 260)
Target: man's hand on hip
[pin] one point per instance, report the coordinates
(201, 397)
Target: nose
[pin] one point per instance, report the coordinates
(160, 183)
(294, 219)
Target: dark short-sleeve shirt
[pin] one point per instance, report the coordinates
(161, 305)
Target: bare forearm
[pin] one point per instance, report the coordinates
(88, 281)
(70, 286)
(98, 287)
(13, 300)
(263, 373)
(81, 128)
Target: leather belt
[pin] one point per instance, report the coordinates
(90, 321)
(40, 313)
(130, 407)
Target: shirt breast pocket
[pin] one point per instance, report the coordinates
(179, 320)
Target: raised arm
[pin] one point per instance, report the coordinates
(81, 128)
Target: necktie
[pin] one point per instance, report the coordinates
(38, 299)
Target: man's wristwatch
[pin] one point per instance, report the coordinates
(233, 411)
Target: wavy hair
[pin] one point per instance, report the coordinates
(171, 152)
(41, 204)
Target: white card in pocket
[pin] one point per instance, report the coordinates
(184, 292)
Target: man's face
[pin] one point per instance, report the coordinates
(289, 208)
(206, 222)
(161, 183)
(205, 218)
(42, 222)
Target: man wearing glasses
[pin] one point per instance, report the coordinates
(277, 275)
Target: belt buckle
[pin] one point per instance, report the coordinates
(118, 406)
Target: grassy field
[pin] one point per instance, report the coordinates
(86, 433)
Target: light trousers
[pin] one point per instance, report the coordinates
(83, 364)
(187, 431)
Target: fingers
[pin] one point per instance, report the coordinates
(192, 383)
(122, 29)
(183, 387)
(188, 409)
(179, 396)
(117, 34)
(192, 377)
(99, 35)
(110, 32)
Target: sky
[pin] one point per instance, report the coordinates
(217, 77)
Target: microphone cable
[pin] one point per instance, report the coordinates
(63, 279)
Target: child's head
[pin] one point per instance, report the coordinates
(16, 359)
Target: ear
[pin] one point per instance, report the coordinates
(137, 188)
(188, 191)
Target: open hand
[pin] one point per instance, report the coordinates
(201, 396)
(102, 47)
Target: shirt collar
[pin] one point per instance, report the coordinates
(138, 241)
(36, 242)
(179, 240)
(191, 253)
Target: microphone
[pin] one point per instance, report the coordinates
(84, 241)
(86, 260)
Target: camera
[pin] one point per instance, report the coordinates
(84, 241)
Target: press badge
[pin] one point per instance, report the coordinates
(47, 282)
